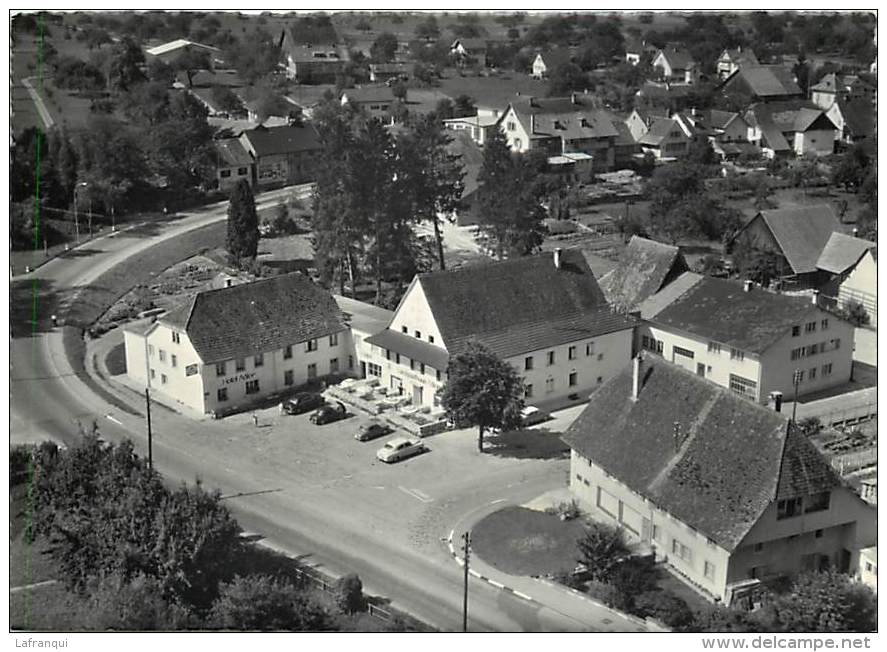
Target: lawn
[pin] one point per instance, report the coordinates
(116, 360)
(521, 541)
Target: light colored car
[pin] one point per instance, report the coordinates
(400, 448)
(532, 415)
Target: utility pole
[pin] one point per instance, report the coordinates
(148, 410)
(76, 220)
(796, 378)
(466, 538)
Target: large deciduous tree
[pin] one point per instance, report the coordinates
(242, 240)
(190, 61)
(482, 391)
(383, 48)
(824, 602)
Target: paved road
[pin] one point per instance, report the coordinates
(327, 506)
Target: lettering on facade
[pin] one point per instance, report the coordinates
(238, 378)
(191, 369)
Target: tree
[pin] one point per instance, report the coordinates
(482, 391)
(159, 71)
(263, 603)
(755, 264)
(700, 151)
(428, 29)
(399, 90)
(126, 61)
(384, 48)
(463, 106)
(566, 78)
(243, 223)
(111, 160)
(190, 61)
(75, 74)
(226, 100)
(349, 594)
(665, 607)
(852, 169)
(602, 549)
(136, 604)
(826, 602)
(855, 313)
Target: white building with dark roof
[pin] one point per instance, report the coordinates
(724, 491)
(543, 314)
(230, 348)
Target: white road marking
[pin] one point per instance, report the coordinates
(110, 418)
(521, 595)
(418, 495)
(501, 500)
(451, 534)
(496, 584)
(473, 572)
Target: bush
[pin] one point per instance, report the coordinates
(608, 594)
(567, 510)
(665, 607)
(855, 313)
(602, 550)
(349, 594)
(263, 603)
(809, 426)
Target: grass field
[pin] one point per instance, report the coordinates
(522, 541)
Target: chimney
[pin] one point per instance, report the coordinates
(676, 436)
(815, 297)
(637, 369)
(557, 258)
(855, 232)
(747, 286)
(776, 401)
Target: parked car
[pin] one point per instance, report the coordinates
(303, 402)
(372, 430)
(400, 448)
(532, 415)
(329, 414)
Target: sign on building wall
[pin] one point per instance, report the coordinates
(238, 378)
(191, 369)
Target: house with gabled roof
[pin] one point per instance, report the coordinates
(233, 163)
(796, 236)
(168, 52)
(645, 267)
(852, 264)
(469, 52)
(313, 63)
(282, 155)
(376, 101)
(544, 314)
(545, 62)
(732, 60)
(562, 125)
(855, 120)
(229, 348)
(667, 138)
(676, 65)
(796, 127)
(770, 83)
(725, 492)
(746, 339)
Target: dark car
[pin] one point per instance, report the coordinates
(329, 414)
(302, 403)
(372, 430)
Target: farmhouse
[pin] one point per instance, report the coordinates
(853, 264)
(645, 267)
(283, 155)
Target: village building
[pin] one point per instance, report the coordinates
(853, 264)
(636, 49)
(641, 119)
(230, 348)
(748, 340)
(725, 492)
(663, 94)
(233, 163)
(479, 126)
(772, 83)
(470, 155)
(855, 121)
(546, 62)
(562, 125)
(169, 52)
(834, 86)
(794, 127)
(667, 138)
(676, 65)
(644, 268)
(376, 101)
(389, 72)
(313, 63)
(544, 314)
(469, 52)
(796, 236)
(732, 60)
(283, 155)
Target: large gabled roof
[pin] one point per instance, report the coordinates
(258, 317)
(644, 268)
(731, 460)
(738, 56)
(859, 117)
(723, 311)
(767, 81)
(576, 117)
(678, 59)
(842, 252)
(267, 141)
(178, 44)
(801, 233)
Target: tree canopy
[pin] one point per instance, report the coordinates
(242, 241)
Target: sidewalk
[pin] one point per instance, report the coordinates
(588, 614)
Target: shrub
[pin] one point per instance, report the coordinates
(602, 549)
(855, 313)
(608, 594)
(349, 594)
(665, 607)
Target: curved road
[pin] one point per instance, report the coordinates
(47, 399)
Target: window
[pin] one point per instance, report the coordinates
(310, 345)
(550, 358)
(656, 533)
(810, 327)
(836, 343)
(288, 377)
(681, 551)
(573, 379)
(509, 125)
(796, 330)
(252, 387)
(241, 172)
(736, 354)
(163, 379)
(334, 339)
(600, 379)
(173, 360)
(412, 365)
(818, 502)
(387, 354)
(259, 360)
(334, 365)
(240, 364)
(528, 390)
(225, 174)
(175, 337)
(827, 369)
(528, 363)
(287, 352)
(759, 547)
(312, 370)
(151, 350)
(743, 386)
(162, 355)
(153, 374)
(517, 143)
(813, 349)
(714, 347)
(709, 570)
(823, 325)
(589, 349)
(404, 330)
(351, 362)
(431, 339)
(397, 358)
(788, 507)
(549, 385)
(421, 367)
(818, 534)
(222, 394)
(418, 334)
(797, 353)
(373, 369)
(571, 353)
(437, 374)
(220, 368)
(812, 373)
